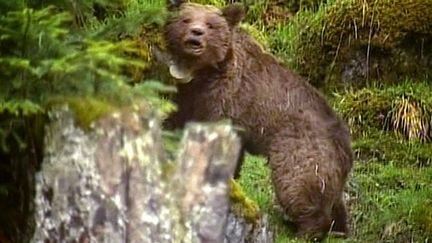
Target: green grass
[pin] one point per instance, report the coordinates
(390, 195)
(405, 108)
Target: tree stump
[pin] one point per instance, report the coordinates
(115, 184)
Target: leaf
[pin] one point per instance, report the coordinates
(20, 107)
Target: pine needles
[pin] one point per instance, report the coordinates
(65, 48)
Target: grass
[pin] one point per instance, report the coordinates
(405, 108)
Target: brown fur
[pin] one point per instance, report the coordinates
(284, 118)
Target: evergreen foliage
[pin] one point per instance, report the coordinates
(63, 49)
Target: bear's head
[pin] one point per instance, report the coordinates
(197, 35)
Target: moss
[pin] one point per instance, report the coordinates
(273, 14)
(422, 215)
(405, 108)
(85, 109)
(242, 205)
(149, 36)
(140, 22)
(268, 14)
(385, 40)
(365, 107)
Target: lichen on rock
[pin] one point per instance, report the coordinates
(245, 221)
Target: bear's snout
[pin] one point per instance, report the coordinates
(197, 31)
(194, 40)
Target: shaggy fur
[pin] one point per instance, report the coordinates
(285, 119)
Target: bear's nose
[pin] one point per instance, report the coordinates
(197, 31)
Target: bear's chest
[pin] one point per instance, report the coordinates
(208, 100)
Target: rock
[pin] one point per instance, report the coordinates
(115, 184)
(238, 230)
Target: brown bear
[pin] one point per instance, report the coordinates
(225, 74)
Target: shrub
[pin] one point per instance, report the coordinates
(47, 53)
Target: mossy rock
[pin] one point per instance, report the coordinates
(271, 13)
(422, 215)
(405, 108)
(242, 205)
(349, 41)
(85, 109)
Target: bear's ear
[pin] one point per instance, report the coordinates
(233, 13)
(174, 4)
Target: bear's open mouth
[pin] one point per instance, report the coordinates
(194, 46)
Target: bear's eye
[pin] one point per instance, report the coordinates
(210, 25)
(186, 21)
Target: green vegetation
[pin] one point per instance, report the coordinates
(357, 40)
(405, 108)
(242, 205)
(80, 49)
(85, 53)
(85, 109)
(217, 3)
